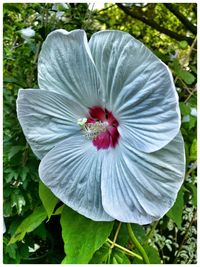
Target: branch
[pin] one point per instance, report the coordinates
(173, 9)
(191, 94)
(155, 25)
(116, 235)
(106, 8)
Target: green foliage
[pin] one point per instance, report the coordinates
(48, 199)
(101, 255)
(183, 44)
(186, 76)
(13, 252)
(175, 213)
(29, 224)
(193, 191)
(119, 257)
(139, 232)
(82, 236)
(152, 254)
(193, 150)
(173, 238)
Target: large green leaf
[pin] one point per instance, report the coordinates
(175, 213)
(48, 199)
(139, 232)
(107, 255)
(101, 255)
(29, 224)
(152, 253)
(123, 237)
(82, 236)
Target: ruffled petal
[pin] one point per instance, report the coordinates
(66, 67)
(138, 187)
(47, 118)
(139, 90)
(72, 170)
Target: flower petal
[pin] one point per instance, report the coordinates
(97, 113)
(139, 89)
(72, 170)
(138, 187)
(47, 118)
(103, 140)
(66, 67)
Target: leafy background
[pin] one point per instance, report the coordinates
(39, 228)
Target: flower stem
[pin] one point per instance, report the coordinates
(137, 244)
(116, 234)
(131, 253)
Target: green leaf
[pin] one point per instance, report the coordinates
(193, 190)
(114, 260)
(101, 255)
(194, 69)
(41, 231)
(48, 199)
(14, 225)
(14, 150)
(29, 224)
(23, 173)
(123, 236)
(120, 257)
(11, 250)
(192, 122)
(10, 175)
(23, 250)
(193, 150)
(153, 255)
(59, 210)
(183, 44)
(18, 201)
(7, 209)
(139, 232)
(186, 76)
(185, 109)
(175, 213)
(82, 236)
(194, 195)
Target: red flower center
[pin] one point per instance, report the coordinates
(101, 128)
